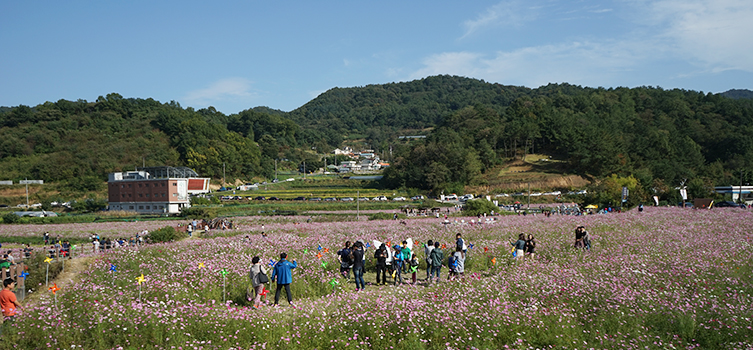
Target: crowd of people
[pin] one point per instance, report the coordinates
(392, 263)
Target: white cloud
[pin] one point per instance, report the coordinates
(511, 12)
(586, 63)
(714, 32)
(222, 90)
(702, 36)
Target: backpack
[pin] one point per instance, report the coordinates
(459, 244)
(451, 262)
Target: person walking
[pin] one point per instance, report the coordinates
(459, 262)
(381, 264)
(283, 276)
(436, 261)
(257, 281)
(427, 250)
(358, 266)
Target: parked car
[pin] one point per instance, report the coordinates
(330, 199)
(398, 199)
(347, 199)
(299, 198)
(315, 199)
(727, 204)
(451, 197)
(273, 199)
(363, 199)
(260, 198)
(380, 198)
(417, 198)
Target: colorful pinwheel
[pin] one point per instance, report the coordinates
(334, 283)
(140, 279)
(320, 248)
(48, 260)
(324, 264)
(223, 272)
(113, 268)
(470, 246)
(264, 292)
(23, 274)
(486, 249)
(494, 261)
(319, 255)
(54, 289)
(272, 262)
(201, 265)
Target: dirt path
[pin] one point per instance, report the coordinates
(70, 276)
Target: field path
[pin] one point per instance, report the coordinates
(70, 276)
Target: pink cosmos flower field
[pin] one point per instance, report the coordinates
(664, 278)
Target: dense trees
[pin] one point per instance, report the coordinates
(658, 138)
(674, 136)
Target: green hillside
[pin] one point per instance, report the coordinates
(653, 137)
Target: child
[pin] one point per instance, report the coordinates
(413, 268)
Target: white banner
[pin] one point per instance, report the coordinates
(31, 182)
(6, 182)
(684, 194)
(656, 200)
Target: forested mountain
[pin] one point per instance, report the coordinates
(380, 111)
(658, 138)
(738, 93)
(78, 143)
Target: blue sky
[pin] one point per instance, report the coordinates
(235, 55)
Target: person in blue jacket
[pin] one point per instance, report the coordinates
(283, 277)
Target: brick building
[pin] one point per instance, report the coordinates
(154, 190)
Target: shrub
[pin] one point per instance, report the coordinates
(479, 206)
(195, 212)
(11, 218)
(165, 234)
(385, 216)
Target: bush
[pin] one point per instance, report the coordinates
(165, 234)
(11, 218)
(479, 206)
(195, 212)
(385, 216)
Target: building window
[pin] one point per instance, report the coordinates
(141, 207)
(122, 186)
(141, 195)
(175, 184)
(147, 195)
(129, 185)
(129, 196)
(175, 194)
(130, 207)
(147, 207)
(162, 207)
(163, 184)
(123, 195)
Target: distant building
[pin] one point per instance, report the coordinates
(154, 190)
(736, 192)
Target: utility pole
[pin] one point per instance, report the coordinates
(358, 205)
(304, 170)
(223, 174)
(275, 169)
(529, 195)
